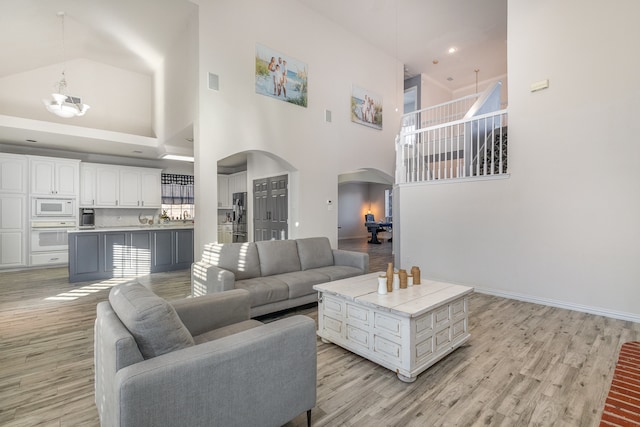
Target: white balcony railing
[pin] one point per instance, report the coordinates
(462, 148)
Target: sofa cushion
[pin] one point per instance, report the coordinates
(239, 258)
(264, 290)
(337, 272)
(301, 283)
(314, 252)
(278, 256)
(152, 321)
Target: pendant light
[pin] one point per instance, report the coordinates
(61, 104)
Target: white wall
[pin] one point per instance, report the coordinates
(120, 100)
(236, 119)
(563, 229)
(176, 98)
(433, 93)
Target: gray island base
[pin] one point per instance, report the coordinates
(129, 252)
(406, 331)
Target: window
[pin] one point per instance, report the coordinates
(178, 196)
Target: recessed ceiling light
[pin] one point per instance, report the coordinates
(435, 62)
(452, 50)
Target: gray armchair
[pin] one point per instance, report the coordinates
(199, 362)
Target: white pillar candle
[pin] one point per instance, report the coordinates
(382, 285)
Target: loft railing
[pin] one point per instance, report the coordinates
(438, 114)
(464, 148)
(469, 138)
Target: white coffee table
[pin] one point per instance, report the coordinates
(407, 330)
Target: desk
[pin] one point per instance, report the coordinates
(373, 227)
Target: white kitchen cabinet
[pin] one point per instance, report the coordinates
(107, 186)
(13, 173)
(54, 177)
(13, 210)
(237, 183)
(150, 188)
(13, 219)
(12, 253)
(110, 186)
(88, 181)
(225, 233)
(229, 184)
(140, 187)
(129, 188)
(224, 198)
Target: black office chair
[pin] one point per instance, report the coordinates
(368, 218)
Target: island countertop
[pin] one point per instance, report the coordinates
(109, 228)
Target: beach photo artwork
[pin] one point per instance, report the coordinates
(280, 76)
(366, 108)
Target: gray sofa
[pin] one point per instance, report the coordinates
(279, 274)
(199, 362)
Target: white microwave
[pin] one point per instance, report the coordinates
(53, 207)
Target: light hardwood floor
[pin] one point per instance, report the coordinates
(525, 364)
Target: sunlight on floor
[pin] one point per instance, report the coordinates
(87, 290)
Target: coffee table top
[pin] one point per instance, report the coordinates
(409, 302)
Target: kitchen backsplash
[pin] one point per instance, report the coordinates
(125, 217)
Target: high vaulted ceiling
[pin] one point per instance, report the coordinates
(136, 34)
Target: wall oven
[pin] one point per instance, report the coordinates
(48, 236)
(53, 207)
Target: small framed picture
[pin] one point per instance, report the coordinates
(366, 108)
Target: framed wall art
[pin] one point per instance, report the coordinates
(366, 108)
(280, 76)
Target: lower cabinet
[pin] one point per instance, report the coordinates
(126, 254)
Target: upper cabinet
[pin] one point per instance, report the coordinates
(229, 184)
(140, 187)
(54, 177)
(13, 173)
(108, 186)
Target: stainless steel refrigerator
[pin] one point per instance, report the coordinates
(239, 217)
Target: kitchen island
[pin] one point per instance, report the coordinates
(121, 252)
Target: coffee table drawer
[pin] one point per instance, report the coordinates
(387, 324)
(333, 305)
(358, 314)
(386, 349)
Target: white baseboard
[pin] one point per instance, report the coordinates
(631, 317)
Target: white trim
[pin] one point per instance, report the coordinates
(561, 304)
(456, 180)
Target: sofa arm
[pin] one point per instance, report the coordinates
(209, 279)
(351, 259)
(208, 312)
(264, 376)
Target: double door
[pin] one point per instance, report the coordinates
(271, 208)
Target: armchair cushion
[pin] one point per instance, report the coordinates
(152, 321)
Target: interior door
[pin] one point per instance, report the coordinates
(270, 208)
